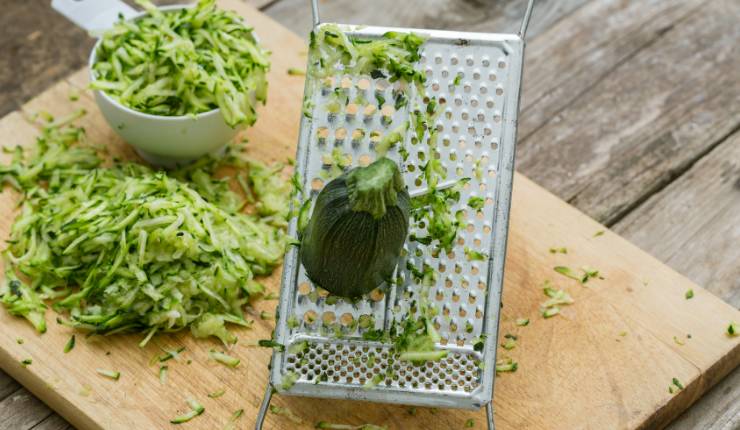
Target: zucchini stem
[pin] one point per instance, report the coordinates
(373, 188)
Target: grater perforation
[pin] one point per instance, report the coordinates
(475, 78)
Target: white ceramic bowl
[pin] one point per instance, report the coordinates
(165, 140)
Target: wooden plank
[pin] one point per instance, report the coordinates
(576, 53)
(21, 410)
(40, 47)
(692, 224)
(7, 385)
(53, 422)
(646, 121)
(557, 384)
(496, 17)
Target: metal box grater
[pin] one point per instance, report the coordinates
(477, 137)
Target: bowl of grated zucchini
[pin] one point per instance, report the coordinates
(179, 82)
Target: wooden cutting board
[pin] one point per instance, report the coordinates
(606, 362)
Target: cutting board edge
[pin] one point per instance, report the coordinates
(693, 391)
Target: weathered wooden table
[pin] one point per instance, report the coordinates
(630, 111)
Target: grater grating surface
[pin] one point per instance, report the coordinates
(475, 78)
(476, 140)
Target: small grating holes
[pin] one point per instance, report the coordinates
(317, 184)
(358, 134)
(328, 317)
(363, 84)
(310, 317)
(369, 110)
(346, 319)
(377, 295)
(304, 288)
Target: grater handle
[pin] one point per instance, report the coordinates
(525, 19)
(522, 29)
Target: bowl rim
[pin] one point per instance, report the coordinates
(119, 105)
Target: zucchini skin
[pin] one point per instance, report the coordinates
(349, 253)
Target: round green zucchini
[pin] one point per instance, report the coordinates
(360, 221)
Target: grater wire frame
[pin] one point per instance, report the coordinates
(515, 45)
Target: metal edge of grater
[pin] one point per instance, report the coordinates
(477, 139)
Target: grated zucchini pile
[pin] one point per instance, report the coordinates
(184, 62)
(127, 248)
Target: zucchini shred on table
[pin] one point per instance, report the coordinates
(120, 247)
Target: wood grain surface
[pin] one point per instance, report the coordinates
(586, 42)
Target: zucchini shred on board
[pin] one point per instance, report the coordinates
(120, 247)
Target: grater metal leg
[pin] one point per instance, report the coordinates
(525, 19)
(315, 12)
(489, 415)
(263, 407)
